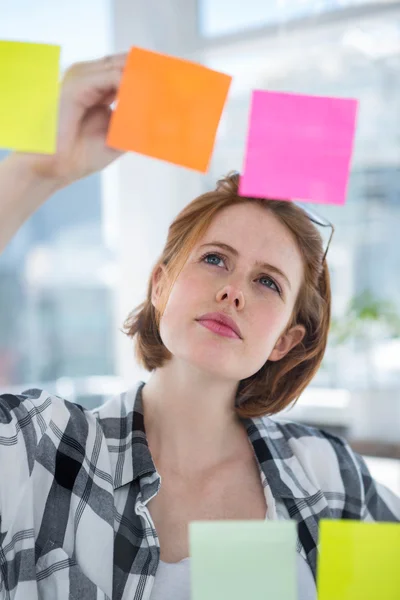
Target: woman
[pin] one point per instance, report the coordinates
(96, 504)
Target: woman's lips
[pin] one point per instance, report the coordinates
(219, 328)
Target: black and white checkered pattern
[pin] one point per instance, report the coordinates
(74, 484)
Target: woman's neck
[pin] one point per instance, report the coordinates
(192, 427)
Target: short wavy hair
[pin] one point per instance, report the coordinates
(276, 384)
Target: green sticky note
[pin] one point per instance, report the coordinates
(358, 560)
(29, 93)
(235, 560)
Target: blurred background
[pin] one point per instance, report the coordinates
(81, 263)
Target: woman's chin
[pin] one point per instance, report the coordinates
(213, 362)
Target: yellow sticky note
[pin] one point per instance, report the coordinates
(358, 560)
(29, 93)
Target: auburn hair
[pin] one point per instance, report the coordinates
(276, 384)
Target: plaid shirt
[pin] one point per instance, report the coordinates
(74, 485)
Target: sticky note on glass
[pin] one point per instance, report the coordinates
(243, 559)
(168, 108)
(299, 147)
(358, 560)
(29, 94)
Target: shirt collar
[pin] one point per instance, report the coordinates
(121, 419)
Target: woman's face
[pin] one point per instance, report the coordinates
(260, 299)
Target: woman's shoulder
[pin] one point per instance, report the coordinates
(303, 437)
(327, 458)
(26, 417)
(308, 435)
(336, 469)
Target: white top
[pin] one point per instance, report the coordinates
(173, 579)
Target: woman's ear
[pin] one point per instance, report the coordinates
(157, 279)
(287, 341)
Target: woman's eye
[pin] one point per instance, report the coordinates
(214, 256)
(266, 277)
(273, 283)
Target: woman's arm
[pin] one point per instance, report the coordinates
(21, 193)
(28, 180)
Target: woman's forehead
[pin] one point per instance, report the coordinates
(250, 223)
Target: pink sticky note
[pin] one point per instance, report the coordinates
(299, 147)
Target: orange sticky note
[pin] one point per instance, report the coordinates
(168, 108)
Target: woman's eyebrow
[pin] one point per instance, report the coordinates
(258, 263)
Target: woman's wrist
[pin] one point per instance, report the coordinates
(22, 192)
(21, 168)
